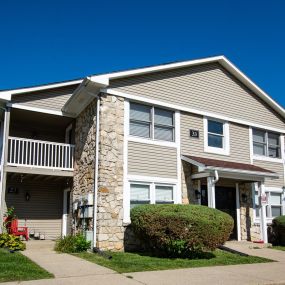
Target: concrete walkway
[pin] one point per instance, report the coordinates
(71, 270)
(68, 269)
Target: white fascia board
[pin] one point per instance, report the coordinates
(220, 59)
(188, 110)
(194, 162)
(38, 88)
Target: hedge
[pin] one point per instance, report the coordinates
(278, 227)
(180, 230)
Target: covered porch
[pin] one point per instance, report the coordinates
(41, 203)
(229, 187)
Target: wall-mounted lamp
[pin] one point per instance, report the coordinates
(283, 188)
(28, 196)
(244, 198)
(197, 194)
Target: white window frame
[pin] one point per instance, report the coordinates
(268, 191)
(264, 157)
(152, 140)
(226, 137)
(152, 182)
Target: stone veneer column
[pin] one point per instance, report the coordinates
(249, 231)
(110, 229)
(84, 154)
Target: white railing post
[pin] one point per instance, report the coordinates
(41, 154)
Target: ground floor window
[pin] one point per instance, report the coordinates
(274, 206)
(151, 193)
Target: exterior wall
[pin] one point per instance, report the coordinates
(205, 88)
(239, 140)
(110, 228)
(249, 230)
(152, 160)
(275, 167)
(43, 212)
(84, 156)
(53, 99)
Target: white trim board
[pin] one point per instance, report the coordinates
(39, 110)
(188, 110)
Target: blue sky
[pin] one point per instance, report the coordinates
(46, 41)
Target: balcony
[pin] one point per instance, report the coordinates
(40, 154)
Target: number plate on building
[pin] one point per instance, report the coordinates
(194, 133)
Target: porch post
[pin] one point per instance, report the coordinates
(4, 156)
(211, 192)
(263, 224)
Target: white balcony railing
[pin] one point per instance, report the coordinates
(43, 154)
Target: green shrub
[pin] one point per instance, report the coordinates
(180, 230)
(72, 244)
(11, 242)
(278, 227)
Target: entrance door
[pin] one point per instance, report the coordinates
(66, 219)
(225, 201)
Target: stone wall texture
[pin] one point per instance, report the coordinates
(249, 230)
(110, 228)
(84, 157)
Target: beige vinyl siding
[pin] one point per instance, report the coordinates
(52, 99)
(239, 140)
(43, 212)
(152, 160)
(207, 87)
(275, 167)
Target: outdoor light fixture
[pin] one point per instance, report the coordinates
(28, 196)
(197, 194)
(244, 198)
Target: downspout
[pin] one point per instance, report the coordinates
(95, 200)
(216, 177)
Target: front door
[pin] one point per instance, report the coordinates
(225, 201)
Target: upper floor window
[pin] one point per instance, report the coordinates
(151, 122)
(216, 136)
(266, 143)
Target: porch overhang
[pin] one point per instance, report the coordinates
(233, 170)
(83, 95)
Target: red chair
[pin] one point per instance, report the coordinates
(15, 230)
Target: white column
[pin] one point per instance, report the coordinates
(263, 224)
(238, 212)
(211, 192)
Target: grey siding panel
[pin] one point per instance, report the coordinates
(239, 140)
(275, 167)
(152, 160)
(52, 99)
(207, 87)
(43, 212)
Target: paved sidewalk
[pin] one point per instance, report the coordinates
(260, 273)
(69, 270)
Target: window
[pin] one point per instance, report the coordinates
(151, 122)
(216, 136)
(266, 143)
(273, 207)
(152, 193)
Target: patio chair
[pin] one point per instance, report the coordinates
(15, 230)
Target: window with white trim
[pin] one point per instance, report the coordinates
(266, 143)
(151, 193)
(274, 205)
(151, 122)
(216, 136)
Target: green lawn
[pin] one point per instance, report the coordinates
(279, 247)
(135, 262)
(17, 267)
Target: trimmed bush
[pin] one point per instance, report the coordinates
(278, 227)
(11, 242)
(72, 244)
(180, 230)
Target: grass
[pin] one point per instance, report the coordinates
(124, 262)
(279, 247)
(17, 267)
